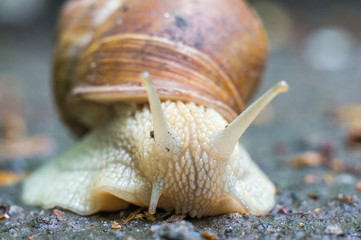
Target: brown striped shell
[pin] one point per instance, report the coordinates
(210, 52)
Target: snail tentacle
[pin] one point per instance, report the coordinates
(157, 190)
(225, 140)
(166, 140)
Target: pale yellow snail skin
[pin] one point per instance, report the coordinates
(193, 163)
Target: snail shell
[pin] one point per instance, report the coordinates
(180, 152)
(209, 52)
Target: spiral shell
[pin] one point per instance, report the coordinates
(209, 52)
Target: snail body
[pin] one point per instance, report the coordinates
(179, 152)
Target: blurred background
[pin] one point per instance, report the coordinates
(314, 45)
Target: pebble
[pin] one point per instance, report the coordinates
(15, 210)
(334, 230)
(178, 230)
(307, 159)
(358, 186)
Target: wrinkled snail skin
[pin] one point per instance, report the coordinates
(180, 168)
(154, 88)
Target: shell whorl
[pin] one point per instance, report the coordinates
(209, 52)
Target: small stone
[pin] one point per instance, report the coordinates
(328, 148)
(228, 231)
(346, 198)
(301, 224)
(337, 164)
(358, 186)
(329, 178)
(177, 230)
(283, 211)
(15, 210)
(307, 159)
(312, 196)
(317, 210)
(310, 178)
(59, 214)
(354, 133)
(116, 225)
(334, 230)
(345, 179)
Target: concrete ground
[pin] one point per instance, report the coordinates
(316, 47)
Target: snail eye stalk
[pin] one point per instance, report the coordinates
(225, 140)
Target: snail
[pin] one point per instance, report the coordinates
(154, 89)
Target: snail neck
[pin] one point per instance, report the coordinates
(173, 137)
(188, 168)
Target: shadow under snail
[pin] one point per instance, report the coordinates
(196, 62)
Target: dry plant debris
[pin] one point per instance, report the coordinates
(176, 218)
(208, 236)
(4, 211)
(133, 215)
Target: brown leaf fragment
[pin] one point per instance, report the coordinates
(208, 236)
(4, 211)
(307, 159)
(10, 178)
(312, 196)
(59, 214)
